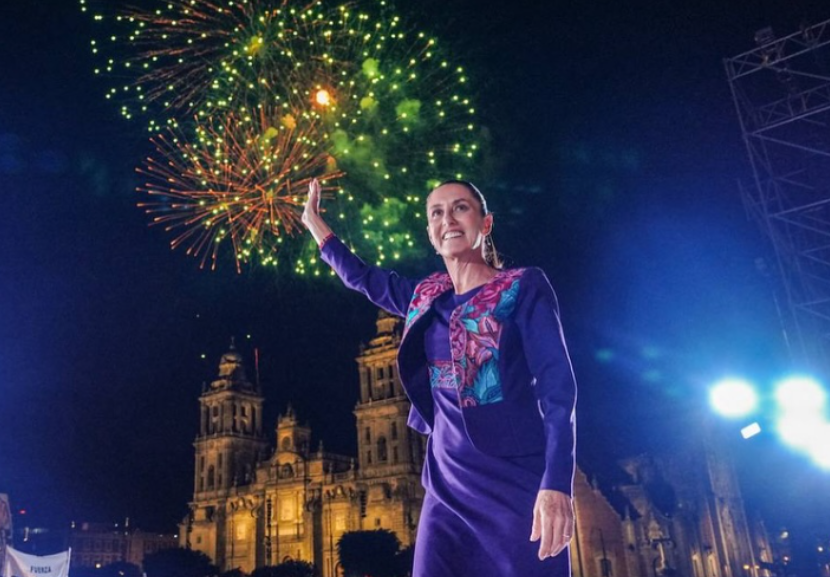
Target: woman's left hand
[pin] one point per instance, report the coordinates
(553, 522)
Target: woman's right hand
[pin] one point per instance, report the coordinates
(311, 213)
(312, 203)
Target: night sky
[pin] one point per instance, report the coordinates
(618, 154)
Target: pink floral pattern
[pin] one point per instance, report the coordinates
(475, 329)
(482, 319)
(427, 291)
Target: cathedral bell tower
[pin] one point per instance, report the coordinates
(230, 440)
(390, 454)
(229, 446)
(386, 446)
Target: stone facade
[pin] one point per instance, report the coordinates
(678, 516)
(254, 506)
(96, 545)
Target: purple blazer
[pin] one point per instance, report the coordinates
(517, 394)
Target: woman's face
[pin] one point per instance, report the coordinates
(456, 226)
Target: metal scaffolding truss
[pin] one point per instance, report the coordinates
(781, 91)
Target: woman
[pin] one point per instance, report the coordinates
(484, 363)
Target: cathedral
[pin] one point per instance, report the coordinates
(255, 505)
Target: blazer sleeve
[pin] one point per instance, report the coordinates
(553, 378)
(385, 288)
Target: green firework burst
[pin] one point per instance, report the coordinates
(386, 105)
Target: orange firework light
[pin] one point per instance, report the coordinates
(322, 97)
(244, 180)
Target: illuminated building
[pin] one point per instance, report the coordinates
(99, 544)
(256, 506)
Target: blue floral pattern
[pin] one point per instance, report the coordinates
(442, 376)
(475, 330)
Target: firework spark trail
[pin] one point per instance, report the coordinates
(244, 179)
(199, 55)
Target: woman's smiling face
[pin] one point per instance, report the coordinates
(456, 225)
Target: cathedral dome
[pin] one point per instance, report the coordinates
(231, 357)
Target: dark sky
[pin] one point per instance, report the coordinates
(618, 157)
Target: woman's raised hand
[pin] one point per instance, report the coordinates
(312, 203)
(311, 213)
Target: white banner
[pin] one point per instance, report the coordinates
(19, 564)
(5, 527)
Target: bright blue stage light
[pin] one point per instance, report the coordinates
(802, 422)
(820, 447)
(800, 431)
(733, 398)
(801, 395)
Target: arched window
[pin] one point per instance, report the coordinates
(213, 427)
(394, 431)
(244, 422)
(367, 375)
(382, 454)
(210, 476)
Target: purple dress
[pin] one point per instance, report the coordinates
(477, 514)
(478, 511)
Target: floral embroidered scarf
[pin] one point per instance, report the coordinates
(475, 328)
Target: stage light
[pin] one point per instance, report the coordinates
(819, 449)
(750, 430)
(733, 398)
(801, 395)
(822, 459)
(800, 431)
